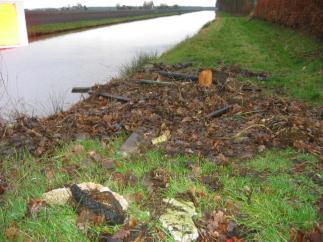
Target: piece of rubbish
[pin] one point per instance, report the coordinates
(205, 78)
(118, 98)
(261, 78)
(59, 196)
(219, 112)
(113, 214)
(133, 143)
(178, 76)
(178, 220)
(161, 139)
(81, 89)
(160, 83)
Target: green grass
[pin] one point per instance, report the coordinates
(46, 29)
(136, 64)
(294, 61)
(281, 199)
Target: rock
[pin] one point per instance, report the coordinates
(61, 196)
(133, 143)
(178, 220)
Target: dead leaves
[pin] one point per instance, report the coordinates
(108, 164)
(34, 206)
(255, 120)
(87, 218)
(131, 232)
(13, 232)
(218, 227)
(156, 179)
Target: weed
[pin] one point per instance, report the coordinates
(137, 64)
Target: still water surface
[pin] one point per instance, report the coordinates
(44, 72)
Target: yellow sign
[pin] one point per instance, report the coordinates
(9, 29)
(12, 25)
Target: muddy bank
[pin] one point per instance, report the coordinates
(255, 121)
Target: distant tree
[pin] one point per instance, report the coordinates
(118, 6)
(148, 5)
(175, 6)
(163, 6)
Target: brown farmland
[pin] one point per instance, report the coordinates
(37, 17)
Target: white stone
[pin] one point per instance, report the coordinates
(58, 196)
(61, 196)
(178, 220)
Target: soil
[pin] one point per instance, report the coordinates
(37, 17)
(255, 121)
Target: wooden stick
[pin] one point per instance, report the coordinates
(81, 89)
(156, 82)
(108, 95)
(219, 112)
(178, 76)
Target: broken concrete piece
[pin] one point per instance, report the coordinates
(61, 196)
(178, 220)
(133, 143)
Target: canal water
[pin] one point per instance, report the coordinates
(37, 78)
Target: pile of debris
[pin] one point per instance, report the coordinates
(226, 117)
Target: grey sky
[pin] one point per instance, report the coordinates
(60, 3)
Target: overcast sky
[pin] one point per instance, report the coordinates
(61, 3)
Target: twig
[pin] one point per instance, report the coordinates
(108, 95)
(250, 127)
(219, 112)
(156, 82)
(178, 76)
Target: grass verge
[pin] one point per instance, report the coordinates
(282, 197)
(293, 61)
(47, 29)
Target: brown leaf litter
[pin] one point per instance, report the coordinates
(255, 121)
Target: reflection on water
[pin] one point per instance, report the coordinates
(41, 75)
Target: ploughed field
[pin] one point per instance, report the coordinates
(51, 17)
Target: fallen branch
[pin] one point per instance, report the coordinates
(81, 89)
(108, 95)
(250, 127)
(113, 215)
(156, 82)
(178, 76)
(219, 112)
(250, 89)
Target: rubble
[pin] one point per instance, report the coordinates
(178, 220)
(59, 196)
(62, 196)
